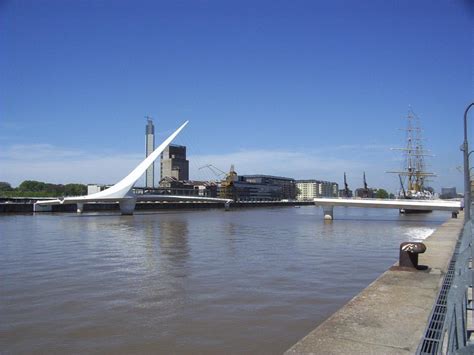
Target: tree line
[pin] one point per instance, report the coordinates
(32, 188)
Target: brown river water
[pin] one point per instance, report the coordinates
(188, 282)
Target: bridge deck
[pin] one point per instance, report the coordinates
(438, 205)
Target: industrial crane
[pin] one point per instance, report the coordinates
(215, 170)
(365, 192)
(346, 187)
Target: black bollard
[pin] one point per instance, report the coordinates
(409, 255)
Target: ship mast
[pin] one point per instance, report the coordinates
(414, 154)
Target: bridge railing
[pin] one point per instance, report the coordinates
(447, 329)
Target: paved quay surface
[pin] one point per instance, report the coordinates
(391, 314)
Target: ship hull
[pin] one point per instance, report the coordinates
(410, 211)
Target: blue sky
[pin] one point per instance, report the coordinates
(306, 89)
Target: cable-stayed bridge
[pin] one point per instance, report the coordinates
(122, 191)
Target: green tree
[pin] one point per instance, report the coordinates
(381, 193)
(5, 186)
(32, 185)
(56, 189)
(33, 188)
(75, 189)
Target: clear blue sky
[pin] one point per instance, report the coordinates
(306, 89)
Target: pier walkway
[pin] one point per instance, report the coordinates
(391, 316)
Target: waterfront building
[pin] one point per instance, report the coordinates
(257, 187)
(310, 189)
(174, 163)
(149, 148)
(205, 188)
(172, 186)
(288, 185)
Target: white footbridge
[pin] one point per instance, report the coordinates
(328, 205)
(122, 192)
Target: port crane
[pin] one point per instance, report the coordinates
(346, 186)
(215, 170)
(365, 192)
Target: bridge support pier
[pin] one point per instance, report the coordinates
(328, 212)
(42, 208)
(127, 205)
(227, 206)
(80, 207)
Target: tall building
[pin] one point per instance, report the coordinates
(310, 189)
(149, 148)
(174, 163)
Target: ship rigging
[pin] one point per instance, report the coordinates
(414, 174)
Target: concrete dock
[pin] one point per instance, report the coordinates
(391, 314)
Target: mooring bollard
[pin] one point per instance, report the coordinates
(409, 255)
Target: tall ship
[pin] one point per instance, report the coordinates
(413, 174)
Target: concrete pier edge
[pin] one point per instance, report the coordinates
(390, 315)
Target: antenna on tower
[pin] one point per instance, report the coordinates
(149, 119)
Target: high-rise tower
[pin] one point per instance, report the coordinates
(149, 148)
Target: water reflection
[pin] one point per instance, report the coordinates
(174, 241)
(230, 232)
(248, 281)
(151, 234)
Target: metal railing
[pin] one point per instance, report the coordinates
(447, 330)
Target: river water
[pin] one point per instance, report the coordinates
(244, 281)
